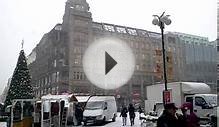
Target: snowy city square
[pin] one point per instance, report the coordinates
(109, 63)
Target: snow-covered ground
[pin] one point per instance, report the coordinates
(3, 124)
(118, 122)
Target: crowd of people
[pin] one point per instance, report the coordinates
(169, 117)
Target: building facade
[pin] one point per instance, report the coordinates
(56, 62)
(5, 91)
(196, 58)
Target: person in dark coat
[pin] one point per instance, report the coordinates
(124, 112)
(78, 114)
(131, 110)
(170, 118)
(140, 111)
(190, 117)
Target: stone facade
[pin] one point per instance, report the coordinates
(56, 62)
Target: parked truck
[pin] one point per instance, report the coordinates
(198, 94)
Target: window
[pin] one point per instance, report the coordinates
(58, 27)
(154, 35)
(49, 79)
(199, 101)
(189, 99)
(78, 77)
(105, 105)
(120, 30)
(143, 33)
(132, 31)
(147, 46)
(81, 76)
(46, 81)
(79, 7)
(136, 44)
(137, 67)
(54, 63)
(75, 50)
(81, 23)
(74, 75)
(42, 83)
(109, 28)
(171, 40)
(39, 84)
(53, 77)
(131, 44)
(76, 61)
(142, 45)
(97, 26)
(57, 76)
(143, 56)
(53, 90)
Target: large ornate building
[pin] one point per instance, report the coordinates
(56, 62)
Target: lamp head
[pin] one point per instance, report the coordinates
(165, 19)
(155, 21)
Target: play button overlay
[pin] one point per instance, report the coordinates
(108, 63)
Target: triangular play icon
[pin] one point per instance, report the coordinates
(109, 62)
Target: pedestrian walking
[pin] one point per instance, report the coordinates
(123, 114)
(37, 117)
(190, 117)
(78, 114)
(131, 110)
(169, 117)
(140, 111)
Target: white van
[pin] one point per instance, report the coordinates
(100, 109)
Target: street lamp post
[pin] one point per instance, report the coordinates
(161, 21)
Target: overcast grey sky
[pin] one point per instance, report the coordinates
(30, 19)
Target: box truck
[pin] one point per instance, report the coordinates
(198, 94)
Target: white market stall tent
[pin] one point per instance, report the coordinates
(58, 110)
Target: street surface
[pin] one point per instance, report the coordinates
(118, 122)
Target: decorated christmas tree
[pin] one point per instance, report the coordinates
(20, 87)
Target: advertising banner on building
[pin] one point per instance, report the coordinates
(159, 65)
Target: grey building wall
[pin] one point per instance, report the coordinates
(197, 58)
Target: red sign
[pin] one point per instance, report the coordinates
(167, 96)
